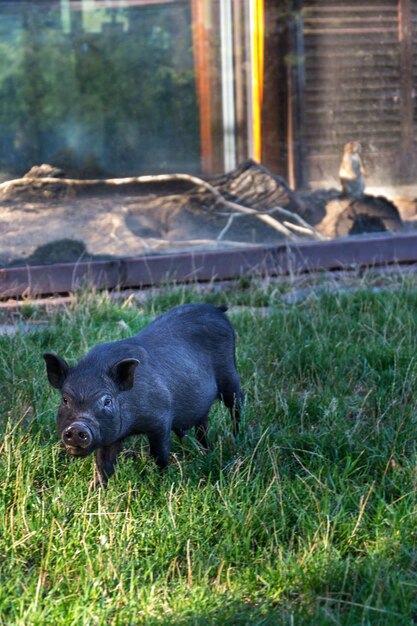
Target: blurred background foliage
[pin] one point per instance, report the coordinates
(100, 92)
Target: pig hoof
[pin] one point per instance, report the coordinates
(98, 482)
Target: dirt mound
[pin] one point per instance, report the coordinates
(143, 215)
(104, 218)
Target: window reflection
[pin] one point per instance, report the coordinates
(98, 88)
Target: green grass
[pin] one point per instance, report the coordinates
(310, 517)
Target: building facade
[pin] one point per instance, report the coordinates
(122, 87)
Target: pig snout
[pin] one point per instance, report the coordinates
(77, 435)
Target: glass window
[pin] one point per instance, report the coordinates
(97, 88)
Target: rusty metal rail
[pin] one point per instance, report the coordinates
(210, 265)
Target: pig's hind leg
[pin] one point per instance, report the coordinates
(232, 396)
(180, 432)
(201, 433)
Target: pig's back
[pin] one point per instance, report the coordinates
(192, 338)
(190, 322)
(198, 333)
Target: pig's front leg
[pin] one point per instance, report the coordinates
(105, 463)
(160, 445)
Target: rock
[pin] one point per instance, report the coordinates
(44, 171)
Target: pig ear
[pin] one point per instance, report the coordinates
(56, 368)
(123, 373)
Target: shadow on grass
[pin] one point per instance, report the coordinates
(232, 612)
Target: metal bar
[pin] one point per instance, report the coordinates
(296, 134)
(255, 22)
(407, 156)
(210, 265)
(227, 85)
(241, 59)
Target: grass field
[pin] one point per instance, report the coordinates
(308, 518)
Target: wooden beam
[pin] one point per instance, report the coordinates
(143, 271)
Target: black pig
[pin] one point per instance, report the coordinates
(165, 378)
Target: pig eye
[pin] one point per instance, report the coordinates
(65, 400)
(107, 401)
